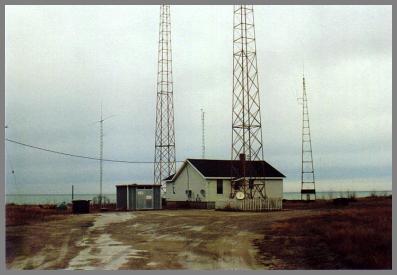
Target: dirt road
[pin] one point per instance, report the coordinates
(167, 239)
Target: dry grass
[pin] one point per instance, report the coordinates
(358, 236)
(298, 204)
(45, 245)
(97, 208)
(27, 214)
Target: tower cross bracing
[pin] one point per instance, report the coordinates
(164, 157)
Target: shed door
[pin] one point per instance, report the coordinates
(144, 198)
(121, 200)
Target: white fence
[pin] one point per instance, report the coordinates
(256, 204)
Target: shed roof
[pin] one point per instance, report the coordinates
(139, 185)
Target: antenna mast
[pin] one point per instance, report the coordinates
(308, 186)
(101, 156)
(164, 156)
(202, 134)
(246, 116)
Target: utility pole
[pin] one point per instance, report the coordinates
(308, 185)
(202, 134)
(246, 115)
(164, 156)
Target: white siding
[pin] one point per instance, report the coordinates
(274, 189)
(189, 178)
(212, 194)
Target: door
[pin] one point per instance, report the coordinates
(144, 198)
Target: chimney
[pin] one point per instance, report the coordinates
(242, 165)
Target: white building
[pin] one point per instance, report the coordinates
(209, 180)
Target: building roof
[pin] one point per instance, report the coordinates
(211, 168)
(139, 185)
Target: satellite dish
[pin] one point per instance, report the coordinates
(240, 195)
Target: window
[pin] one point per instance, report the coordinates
(219, 186)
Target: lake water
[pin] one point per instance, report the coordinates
(59, 198)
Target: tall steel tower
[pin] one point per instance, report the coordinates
(164, 156)
(246, 116)
(308, 185)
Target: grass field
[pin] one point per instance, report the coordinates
(357, 236)
(316, 235)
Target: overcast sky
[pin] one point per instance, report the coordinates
(62, 61)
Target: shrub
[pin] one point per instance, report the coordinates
(373, 194)
(62, 206)
(352, 196)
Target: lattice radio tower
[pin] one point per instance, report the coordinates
(308, 185)
(164, 157)
(246, 116)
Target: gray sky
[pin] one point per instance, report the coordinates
(61, 61)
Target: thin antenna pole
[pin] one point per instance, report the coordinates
(203, 133)
(101, 155)
(100, 158)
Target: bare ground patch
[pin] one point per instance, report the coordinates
(100, 250)
(172, 239)
(45, 245)
(196, 239)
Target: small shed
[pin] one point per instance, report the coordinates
(138, 196)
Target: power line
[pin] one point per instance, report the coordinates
(76, 156)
